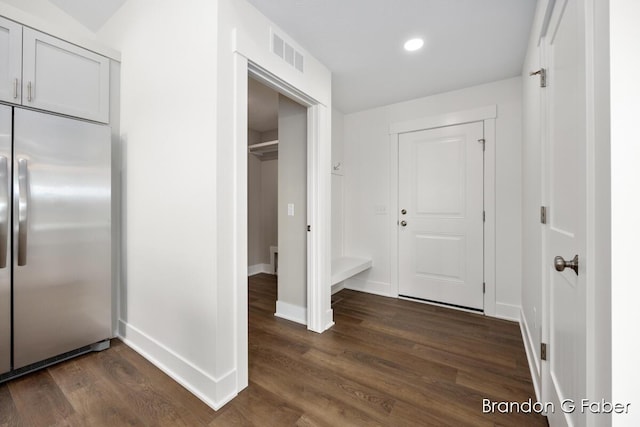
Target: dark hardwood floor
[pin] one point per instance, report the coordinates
(386, 362)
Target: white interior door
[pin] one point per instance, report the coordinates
(441, 215)
(565, 370)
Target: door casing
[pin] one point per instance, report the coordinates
(487, 115)
(319, 312)
(453, 160)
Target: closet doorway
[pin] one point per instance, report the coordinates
(277, 196)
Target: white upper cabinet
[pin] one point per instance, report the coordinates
(10, 61)
(64, 78)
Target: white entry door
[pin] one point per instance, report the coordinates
(441, 215)
(564, 372)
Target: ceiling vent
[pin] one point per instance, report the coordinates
(287, 52)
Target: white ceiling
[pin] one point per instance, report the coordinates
(91, 13)
(467, 42)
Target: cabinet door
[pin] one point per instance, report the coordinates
(10, 60)
(63, 78)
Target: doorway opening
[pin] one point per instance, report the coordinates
(277, 223)
(319, 316)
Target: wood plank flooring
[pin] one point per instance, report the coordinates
(386, 362)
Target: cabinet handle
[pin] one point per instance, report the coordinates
(15, 88)
(29, 92)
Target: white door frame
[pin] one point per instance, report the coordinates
(487, 115)
(319, 312)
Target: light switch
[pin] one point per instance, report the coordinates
(290, 210)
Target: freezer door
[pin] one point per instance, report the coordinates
(5, 237)
(62, 235)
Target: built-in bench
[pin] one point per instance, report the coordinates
(342, 267)
(345, 267)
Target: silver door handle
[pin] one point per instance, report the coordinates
(29, 97)
(403, 223)
(4, 210)
(15, 88)
(23, 210)
(561, 264)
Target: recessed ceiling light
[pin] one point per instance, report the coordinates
(413, 44)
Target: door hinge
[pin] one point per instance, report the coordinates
(543, 351)
(484, 287)
(308, 228)
(543, 76)
(543, 214)
(483, 142)
(484, 216)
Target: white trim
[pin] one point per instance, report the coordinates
(260, 268)
(487, 115)
(215, 392)
(507, 312)
(394, 205)
(490, 217)
(318, 199)
(447, 119)
(337, 288)
(239, 221)
(319, 315)
(535, 367)
(371, 287)
(295, 313)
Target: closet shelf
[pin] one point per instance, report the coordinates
(264, 148)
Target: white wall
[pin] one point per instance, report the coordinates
(169, 301)
(184, 302)
(337, 183)
(625, 158)
(292, 226)
(366, 172)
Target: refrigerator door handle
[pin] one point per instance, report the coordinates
(4, 210)
(23, 210)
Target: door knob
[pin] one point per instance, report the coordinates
(403, 223)
(561, 264)
(403, 211)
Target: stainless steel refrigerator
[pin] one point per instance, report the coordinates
(55, 238)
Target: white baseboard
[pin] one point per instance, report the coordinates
(291, 312)
(337, 288)
(532, 355)
(507, 312)
(371, 287)
(215, 392)
(260, 268)
(328, 319)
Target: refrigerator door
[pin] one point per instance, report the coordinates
(62, 235)
(5, 237)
